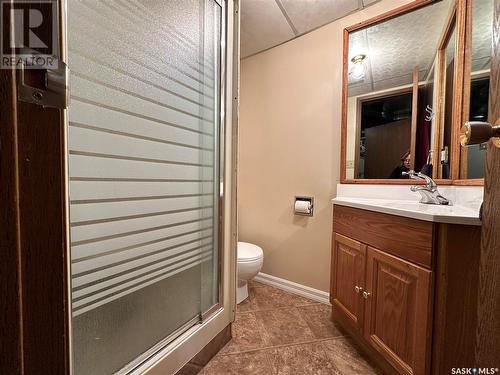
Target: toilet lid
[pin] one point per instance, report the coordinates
(249, 251)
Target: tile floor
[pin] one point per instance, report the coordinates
(278, 333)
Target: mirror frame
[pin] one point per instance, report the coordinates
(466, 89)
(460, 17)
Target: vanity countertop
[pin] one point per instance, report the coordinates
(455, 214)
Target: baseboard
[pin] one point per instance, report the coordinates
(292, 287)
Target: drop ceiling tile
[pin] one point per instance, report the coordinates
(262, 26)
(310, 14)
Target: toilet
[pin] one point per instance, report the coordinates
(250, 259)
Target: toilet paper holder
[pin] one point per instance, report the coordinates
(300, 200)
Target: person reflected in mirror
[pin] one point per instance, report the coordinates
(427, 167)
(403, 167)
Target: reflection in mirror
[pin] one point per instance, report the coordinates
(391, 94)
(425, 126)
(449, 83)
(473, 157)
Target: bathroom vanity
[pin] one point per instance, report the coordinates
(405, 275)
(404, 288)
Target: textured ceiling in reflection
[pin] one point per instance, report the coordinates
(396, 46)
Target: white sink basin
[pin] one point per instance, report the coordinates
(454, 214)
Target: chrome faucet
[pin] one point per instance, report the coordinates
(429, 191)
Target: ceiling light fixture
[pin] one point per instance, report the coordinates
(357, 70)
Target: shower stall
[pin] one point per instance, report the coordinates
(145, 164)
(117, 165)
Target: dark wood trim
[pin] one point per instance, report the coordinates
(488, 311)
(43, 241)
(455, 297)
(33, 183)
(11, 344)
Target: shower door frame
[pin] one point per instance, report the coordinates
(141, 363)
(34, 193)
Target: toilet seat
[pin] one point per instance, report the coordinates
(248, 252)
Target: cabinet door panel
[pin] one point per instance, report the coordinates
(348, 268)
(396, 311)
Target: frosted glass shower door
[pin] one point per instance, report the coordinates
(143, 140)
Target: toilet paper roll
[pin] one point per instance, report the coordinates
(303, 207)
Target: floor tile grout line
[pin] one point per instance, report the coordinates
(269, 362)
(284, 345)
(268, 353)
(281, 308)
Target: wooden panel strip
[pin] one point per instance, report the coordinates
(44, 252)
(414, 118)
(407, 238)
(458, 90)
(455, 328)
(10, 299)
(488, 332)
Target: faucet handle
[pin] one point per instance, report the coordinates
(410, 173)
(431, 184)
(429, 181)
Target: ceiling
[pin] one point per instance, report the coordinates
(482, 22)
(268, 23)
(394, 47)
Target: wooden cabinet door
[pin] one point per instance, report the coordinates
(397, 299)
(348, 278)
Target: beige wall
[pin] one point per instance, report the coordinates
(289, 145)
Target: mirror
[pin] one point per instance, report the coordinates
(445, 132)
(472, 158)
(391, 96)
